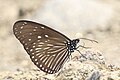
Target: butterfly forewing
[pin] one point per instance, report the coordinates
(47, 47)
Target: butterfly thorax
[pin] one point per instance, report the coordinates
(72, 45)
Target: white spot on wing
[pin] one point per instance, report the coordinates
(31, 49)
(43, 68)
(37, 63)
(40, 65)
(46, 35)
(39, 36)
(46, 70)
(30, 33)
(29, 39)
(46, 41)
(38, 40)
(33, 57)
(49, 71)
(15, 32)
(25, 22)
(34, 29)
(42, 27)
(33, 53)
(21, 27)
(33, 46)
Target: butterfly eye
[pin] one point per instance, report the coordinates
(48, 48)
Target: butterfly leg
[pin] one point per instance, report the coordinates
(81, 54)
(70, 57)
(77, 57)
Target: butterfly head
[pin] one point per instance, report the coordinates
(72, 45)
(75, 41)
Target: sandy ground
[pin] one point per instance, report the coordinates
(15, 63)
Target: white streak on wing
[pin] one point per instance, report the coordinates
(39, 54)
(50, 45)
(42, 57)
(37, 51)
(49, 60)
(38, 48)
(64, 58)
(55, 50)
(45, 59)
(46, 48)
(57, 58)
(40, 43)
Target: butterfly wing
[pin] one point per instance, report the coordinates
(47, 47)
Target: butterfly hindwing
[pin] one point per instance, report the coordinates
(47, 47)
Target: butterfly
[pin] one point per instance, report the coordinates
(47, 48)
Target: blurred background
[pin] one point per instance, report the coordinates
(93, 19)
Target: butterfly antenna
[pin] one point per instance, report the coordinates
(89, 40)
(70, 57)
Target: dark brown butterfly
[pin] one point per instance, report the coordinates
(48, 48)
